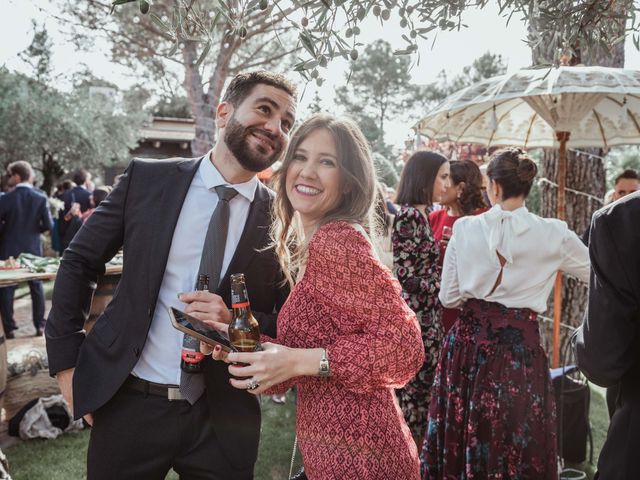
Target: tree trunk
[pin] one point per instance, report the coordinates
(584, 174)
(51, 172)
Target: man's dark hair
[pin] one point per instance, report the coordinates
(242, 85)
(22, 169)
(80, 176)
(417, 178)
(629, 173)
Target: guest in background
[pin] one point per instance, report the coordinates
(24, 215)
(345, 336)
(607, 343)
(462, 199)
(75, 217)
(625, 183)
(492, 414)
(416, 264)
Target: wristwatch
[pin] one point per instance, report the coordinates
(323, 369)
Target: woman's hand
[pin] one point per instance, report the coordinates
(217, 353)
(274, 365)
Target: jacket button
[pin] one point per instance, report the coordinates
(136, 351)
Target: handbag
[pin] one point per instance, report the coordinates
(300, 475)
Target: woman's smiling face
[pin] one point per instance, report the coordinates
(313, 178)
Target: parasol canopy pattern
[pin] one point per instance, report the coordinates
(599, 106)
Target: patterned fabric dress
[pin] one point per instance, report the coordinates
(417, 267)
(349, 425)
(492, 415)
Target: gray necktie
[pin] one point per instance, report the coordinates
(192, 385)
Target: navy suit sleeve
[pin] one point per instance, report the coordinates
(95, 244)
(605, 345)
(46, 224)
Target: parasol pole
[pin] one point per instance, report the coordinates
(563, 138)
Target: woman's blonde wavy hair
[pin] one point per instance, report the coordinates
(357, 183)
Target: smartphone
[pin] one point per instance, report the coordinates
(198, 329)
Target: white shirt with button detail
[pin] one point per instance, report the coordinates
(159, 361)
(534, 248)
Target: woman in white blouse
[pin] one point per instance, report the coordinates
(492, 413)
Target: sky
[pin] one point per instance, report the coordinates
(451, 51)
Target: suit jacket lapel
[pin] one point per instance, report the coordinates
(255, 230)
(174, 192)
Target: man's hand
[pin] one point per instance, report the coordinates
(65, 382)
(207, 307)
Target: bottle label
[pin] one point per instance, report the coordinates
(192, 356)
(239, 305)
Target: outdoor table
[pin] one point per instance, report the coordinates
(17, 276)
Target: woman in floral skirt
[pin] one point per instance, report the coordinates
(492, 414)
(416, 265)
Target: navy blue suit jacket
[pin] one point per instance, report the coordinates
(79, 195)
(23, 217)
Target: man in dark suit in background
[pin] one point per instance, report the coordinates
(608, 343)
(24, 215)
(124, 376)
(76, 200)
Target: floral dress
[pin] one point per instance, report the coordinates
(492, 415)
(416, 265)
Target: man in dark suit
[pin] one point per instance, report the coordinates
(24, 215)
(608, 343)
(124, 376)
(76, 200)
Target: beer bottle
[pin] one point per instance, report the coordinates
(244, 332)
(191, 355)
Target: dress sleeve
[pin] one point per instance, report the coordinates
(575, 256)
(450, 288)
(383, 347)
(411, 238)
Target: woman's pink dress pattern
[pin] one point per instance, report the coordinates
(349, 425)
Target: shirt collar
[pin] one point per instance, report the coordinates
(213, 178)
(24, 184)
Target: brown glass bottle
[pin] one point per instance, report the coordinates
(192, 357)
(244, 332)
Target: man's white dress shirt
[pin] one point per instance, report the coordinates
(160, 358)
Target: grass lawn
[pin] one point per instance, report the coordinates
(64, 458)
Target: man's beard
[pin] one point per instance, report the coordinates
(236, 136)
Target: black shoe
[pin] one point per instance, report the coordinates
(39, 332)
(9, 335)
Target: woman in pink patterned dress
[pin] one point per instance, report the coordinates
(346, 338)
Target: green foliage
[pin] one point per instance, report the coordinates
(326, 29)
(38, 53)
(378, 89)
(175, 106)
(385, 169)
(486, 66)
(57, 132)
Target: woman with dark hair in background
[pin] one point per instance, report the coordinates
(416, 264)
(492, 414)
(462, 199)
